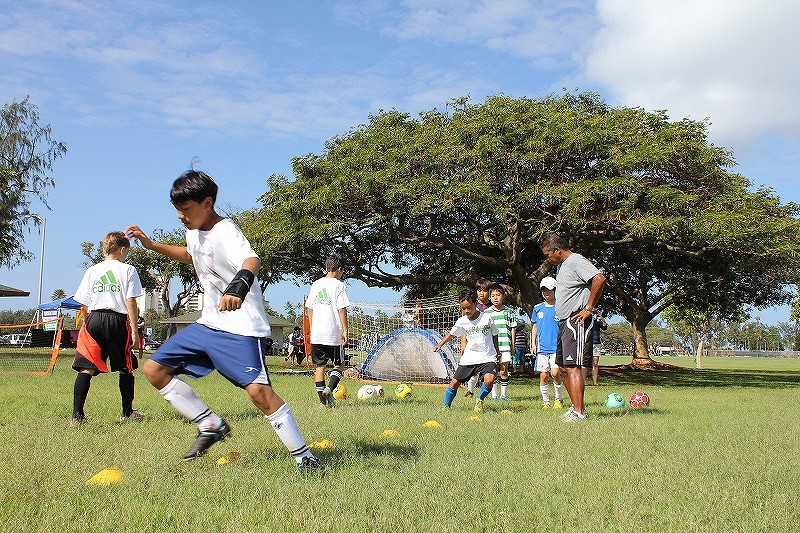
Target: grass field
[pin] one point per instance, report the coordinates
(717, 450)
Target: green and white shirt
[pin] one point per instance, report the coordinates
(505, 321)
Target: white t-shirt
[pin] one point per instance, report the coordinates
(107, 285)
(218, 254)
(479, 333)
(326, 297)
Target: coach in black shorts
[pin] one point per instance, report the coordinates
(579, 286)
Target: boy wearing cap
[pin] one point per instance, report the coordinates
(544, 335)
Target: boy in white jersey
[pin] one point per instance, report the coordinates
(107, 295)
(482, 287)
(481, 352)
(507, 327)
(327, 316)
(231, 334)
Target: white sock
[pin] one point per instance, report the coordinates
(494, 391)
(545, 390)
(503, 388)
(471, 384)
(558, 387)
(285, 425)
(183, 398)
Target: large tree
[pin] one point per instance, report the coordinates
(468, 192)
(27, 153)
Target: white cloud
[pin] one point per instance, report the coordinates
(545, 31)
(732, 61)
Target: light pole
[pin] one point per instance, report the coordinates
(43, 222)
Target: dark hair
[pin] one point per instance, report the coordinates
(483, 284)
(297, 328)
(499, 288)
(468, 295)
(193, 185)
(333, 262)
(554, 242)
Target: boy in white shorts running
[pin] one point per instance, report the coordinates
(544, 335)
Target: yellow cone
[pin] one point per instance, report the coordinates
(390, 433)
(474, 418)
(225, 459)
(432, 424)
(106, 477)
(323, 444)
(506, 411)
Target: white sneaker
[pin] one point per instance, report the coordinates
(573, 416)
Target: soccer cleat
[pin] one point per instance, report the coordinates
(557, 405)
(503, 399)
(205, 439)
(138, 416)
(573, 416)
(478, 406)
(568, 413)
(77, 420)
(327, 397)
(545, 406)
(309, 466)
(469, 394)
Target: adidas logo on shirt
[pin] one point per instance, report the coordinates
(107, 283)
(322, 298)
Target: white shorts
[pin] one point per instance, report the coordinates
(505, 357)
(545, 362)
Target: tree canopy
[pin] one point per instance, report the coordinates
(443, 199)
(27, 154)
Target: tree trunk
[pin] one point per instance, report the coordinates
(699, 354)
(641, 354)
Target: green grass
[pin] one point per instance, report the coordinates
(716, 451)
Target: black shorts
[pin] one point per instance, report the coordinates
(322, 353)
(574, 347)
(464, 372)
(104, 336)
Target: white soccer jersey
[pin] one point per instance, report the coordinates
(107, 285)
(480, 345)
(326, 297)
(218, 254)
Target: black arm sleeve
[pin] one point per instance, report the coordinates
(240, 284)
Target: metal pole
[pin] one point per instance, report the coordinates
(43, 222)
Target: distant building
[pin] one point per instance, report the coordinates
(195, 303)
(151, 299)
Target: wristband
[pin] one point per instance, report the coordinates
(240, 284)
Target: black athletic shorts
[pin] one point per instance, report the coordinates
(105, 335)
(464, 372)
(322, 353)
(574, 347)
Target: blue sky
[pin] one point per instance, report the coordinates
(137, 89)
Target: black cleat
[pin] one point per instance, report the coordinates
(205, 439)
(309, 466)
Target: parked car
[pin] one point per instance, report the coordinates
(19, 339)
(150, 345)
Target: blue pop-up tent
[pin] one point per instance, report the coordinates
(63, 303)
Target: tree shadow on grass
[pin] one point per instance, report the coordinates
(628, 411)
(688, 377)
(360, 450)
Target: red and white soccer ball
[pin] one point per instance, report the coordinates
(640, 399)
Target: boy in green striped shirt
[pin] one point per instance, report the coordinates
(507, 326)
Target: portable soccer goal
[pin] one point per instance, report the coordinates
(395, 341)
(30, 348)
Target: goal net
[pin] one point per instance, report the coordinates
(31, 348)
(395, 341)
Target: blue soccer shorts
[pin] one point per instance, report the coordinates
(196, 350)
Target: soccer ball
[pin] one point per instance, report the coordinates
(403, 390)
(640, 399)
(340, 392)
(614, 400)
(378, 390)
(367, 392)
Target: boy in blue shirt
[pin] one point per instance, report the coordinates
(544, 335)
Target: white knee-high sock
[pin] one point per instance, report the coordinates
(503, 387)
(558, 387)
(471, 384)
(285, 425)
(494, 390)
(183, 398)
(545, 390)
